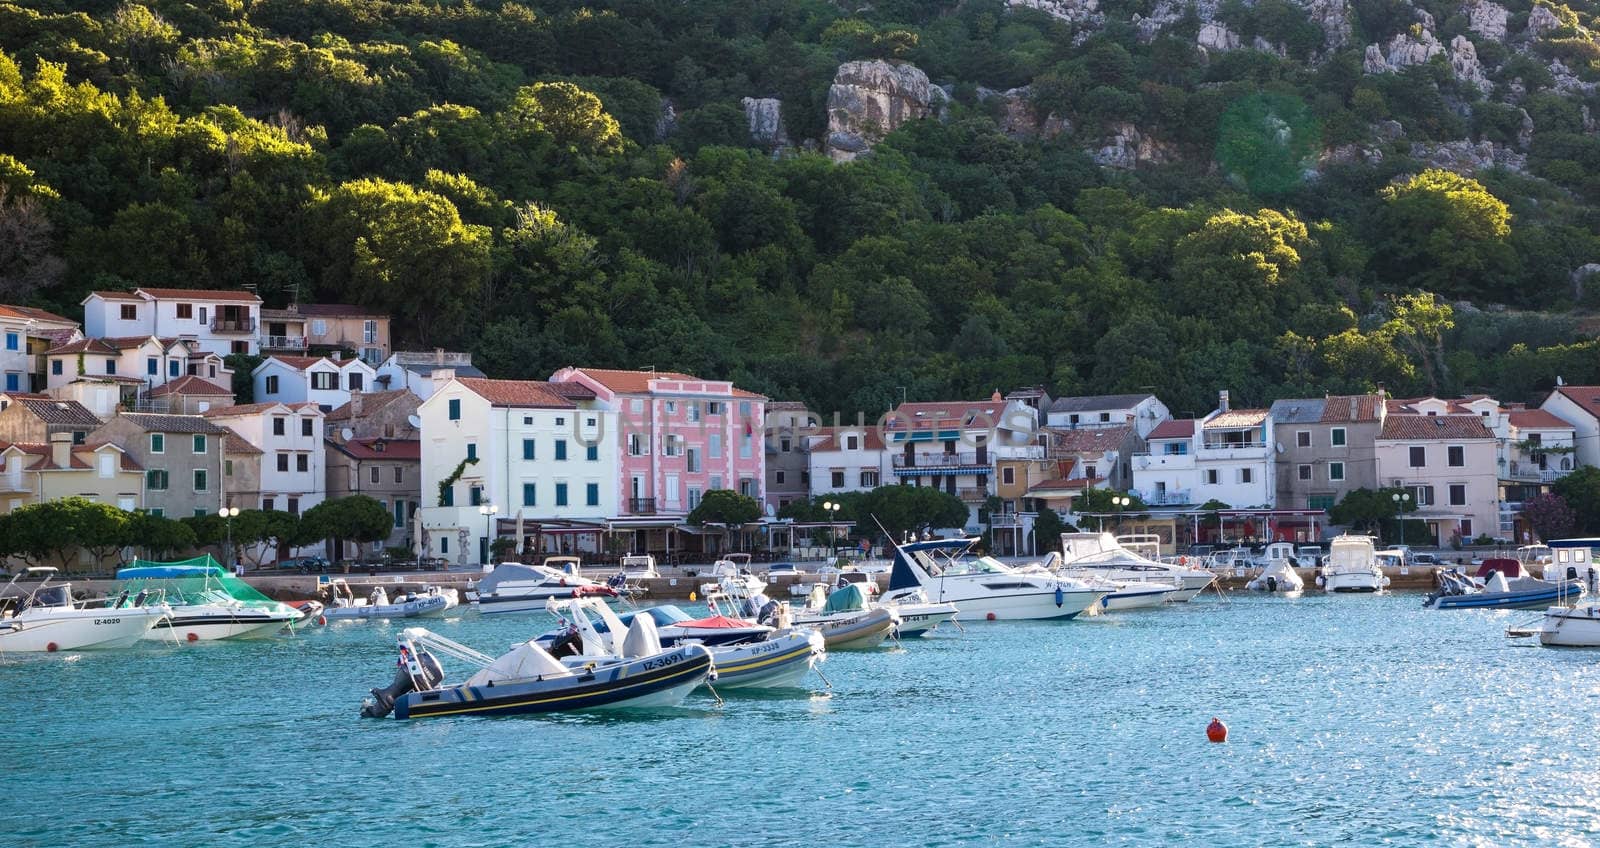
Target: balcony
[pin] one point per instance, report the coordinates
(1162, 461)
(641, 506)
(1170, 497)
(1530, 472)
(944, 460)
(973, 495)
(283, 343)
(233, 325)
(1234, 450)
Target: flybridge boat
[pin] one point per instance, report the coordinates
(1119, 561)
(48, 620)
(1352, 566)
(619, 668)
(514, 587)
(733, 569)
(207, 602)
(985, 588)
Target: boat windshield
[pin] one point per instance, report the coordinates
(665, 615)
(978, 565)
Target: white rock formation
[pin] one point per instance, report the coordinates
(1127, 148)
(1085, 12)
(1017, 117)
(1334, 18)
(765, 118)
(1402, 51)
(1525, 129)
(667, 121)
(869, 100)
(1464, 64)
(1216, 36)
(1486, 18)
(1466, 157)
(1542, 21)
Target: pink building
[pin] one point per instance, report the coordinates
(678, 437)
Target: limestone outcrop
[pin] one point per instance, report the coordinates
(1467, 157)
(1487, 19)
(869, 100)
(765, 118)
(1127, 148)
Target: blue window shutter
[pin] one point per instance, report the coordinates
(455, 409)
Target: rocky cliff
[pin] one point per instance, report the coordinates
(869, 100)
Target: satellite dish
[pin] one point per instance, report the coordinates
(414, 421)
(1279, 446)
(347, 434)
(771, 513)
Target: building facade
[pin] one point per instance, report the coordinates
(326, 327)
(847, 458)
(373, 415)
(1327, 448)
(220, 321)
(1142, 411)
(25, 333)
(1580, 407)
(58, 468)
(293, 475)
(182, 457)
(388, 470)
(1447, 464)
(1228, 456)
(328, 383)
(413, 370)
(788, 432)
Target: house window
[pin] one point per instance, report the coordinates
(1305, 472)
(155, 480)
(202, 315)
(527, 449)
(694, 497)
(692, 461)
(172, 368)
(1090, 472)
(869, 478)
(673, 445)
(80, 436)
(1322, 502)
(305, 427)
(713, 407)
(111, 367)
(1008, 475)
(1456, 456)
(283, 462)
(355, 380)
(399, 513)
(777, 477)
(1466, 528)
(447, 496)
(590, 422)
(319, 327)
(591, 494)
(747, 487)
(1105, 416)
(838, 479)
(12, 341)
(186, 311)
(1245, 475)
(783, 445)
(294, 506)
(199, 443)
(1211, 476)
(714, 446)
(527, 420)
(130, 312)
(444, 544)
(1302, 438)
(694, 410)
(159, 512)
(1419, 456)
(1458, 494)
(272, 384)
(267, 504)
(374, 474)
(744, 445)
(561, 449)
(200, 480)
(474, 495)
(455, 409)
(324, 380)
(399, 474)
(716, 481)
(55, 367)
(1423, 495)
(638, 445)
(530, 494)
(279, 424)
(561, 494)
(636, 406)
(369, 332)
(151, 366)
(472, 451)
(158, 443)
(1336, 437)
(13, 382)
(592, 453)
(1335, 471)
(227, 467)
(672, 407)
(744, 409)
(1072, 419)
(852, 442)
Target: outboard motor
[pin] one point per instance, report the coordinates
(568, 644)
(382, 701)
(768, 614)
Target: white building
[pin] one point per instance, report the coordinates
(293, 461)
(1447, 464)
(25, 333)
(413, 370)
(328, 383)
(222, 322)
(542, 453)
(1580, 407)
(848, 459)
(145, 361)
(1226, 456)
(1143, 411)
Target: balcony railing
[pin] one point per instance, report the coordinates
(642, 506)
(1170, 497)
(1532, 473)
(973, 495)
(233, 325)
(956, 459)
(284, 343)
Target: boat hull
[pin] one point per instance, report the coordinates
(778, 663)
(855, 631)
(533, 602)
(1539, 599)
(78, 630)
(1135, 597)
(187, 624)
(1034, 606)
(1571, 628)
(658, 681)
(431, 606)
(921, 619)
(1353, 581)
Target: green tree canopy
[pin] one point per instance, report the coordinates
(725, 507)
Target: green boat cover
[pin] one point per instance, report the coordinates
(846, 598)
(201, 580)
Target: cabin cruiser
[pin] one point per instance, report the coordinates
(1577, 626)
(619, 668)
(1120, 560)
(1352, 566)
(733, 568)
(1278, 575)
(985, 588)
(1309, 556)
(207, 602)
(1503, 583)
(514, 587)
(918, 615)
(638, 567)
(673, 626)
(48, 620)
(346, 606)
(1235, 559)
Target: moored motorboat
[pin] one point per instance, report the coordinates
(781, 660)
(1351, 566)
(515, 587)
(1278, 576)
(1129, 595)
(673, 626)
(1129, 559)
(207, 602)
(347, 607)
(985, 588)
(47, 619)
(1502, 584)
(918, 615)
(846, 620)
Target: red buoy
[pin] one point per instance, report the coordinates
(322, 619)
(52, 647)
(1216, 731)
(990, 616)
(194, 637)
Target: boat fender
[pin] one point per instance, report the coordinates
(1319, 580)
(1061, 597)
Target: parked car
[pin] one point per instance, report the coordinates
(304, 565)
(1424, 559)
(783, 569)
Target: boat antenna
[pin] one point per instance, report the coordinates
(883, 529)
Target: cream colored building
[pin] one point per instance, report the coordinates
(104, 472)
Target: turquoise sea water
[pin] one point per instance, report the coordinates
(1354, 720)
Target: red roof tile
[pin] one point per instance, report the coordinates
(236, 444)
(1061, 483)
(1586, 397)
(380, 448)
(190, 385)
(28, 313)
(98, 346)
(519, 393)
(200, 294)
(1173, 428)
(631, 382)
(830, 438)
(371, 402)
(1536, 419)
(254, 409)
(1407, 427)
(1349, 409)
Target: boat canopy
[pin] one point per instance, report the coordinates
(192, 581)
(846, 598)
(1591, 542)
(1500, 565)
(200, 566)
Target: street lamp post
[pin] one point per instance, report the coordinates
(832, 509)
(1121, 503)
(487, 511)
(228, 514)
(1400, 501)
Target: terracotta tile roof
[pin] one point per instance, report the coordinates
(925, 415)
(26, 395)
(738, 392)
(1407, 427)
(380, 448)
(200, 294)
(128, 463)
(61, 412)
(872, 439)
(236, 444)
(1349, 409)
(1063, 484)
(1236, 418)
(519, 393)
(84, 346)
(1586, 397)
(255, 409)
(631, 382)
(786, 406)
(189, 384)
(339, 310)
(56, 337)
(1536, 419)
(1173, 428)
(29, 313)
(1097, 402)
(575, 391)
(1089, 439)
(115, 295)
(76, 460)
(371, 402)
(155, 423)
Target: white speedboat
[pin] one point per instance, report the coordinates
(918, 615)
(347, 607)
(779, 661)
(48, 620)
(514, 587)
(733, 569)
(985, 588)
(1352, 566)
(846, 619)
(1120, 561)
(638, 567)
(1278, 575)
(1127, 595)
(673, 626)
(207, 602)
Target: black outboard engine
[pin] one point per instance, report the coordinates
(568, 644)
(768, 614)
(382, 701)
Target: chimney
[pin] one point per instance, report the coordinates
(61, 450)
(355, 406)
(438, 356)
(441, 376)
(1222, 401)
